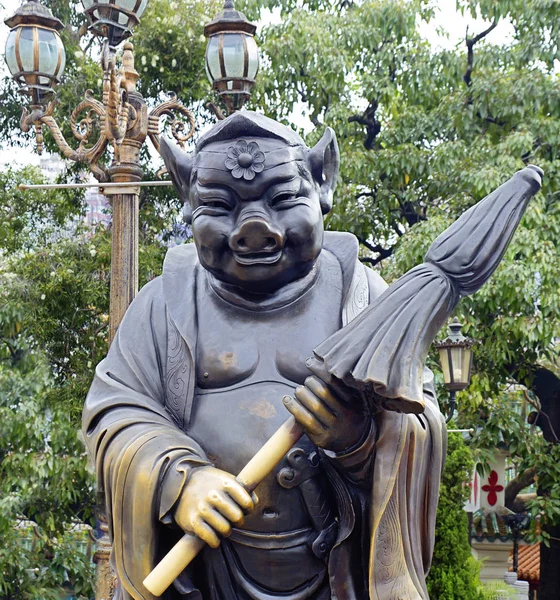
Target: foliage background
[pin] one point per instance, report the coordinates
(424, 133)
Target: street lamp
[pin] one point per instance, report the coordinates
(232, 56)
(518, 523)
(35, 57)
(455, 353)
(114, 19)
(34, 51)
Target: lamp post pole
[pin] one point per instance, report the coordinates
(125, 203)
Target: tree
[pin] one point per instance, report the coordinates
(53, 331)
(46, 490)
(28, 218)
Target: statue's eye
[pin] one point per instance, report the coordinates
(284, 200)
(217, 203)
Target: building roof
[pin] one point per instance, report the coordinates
(489, 526)
(529, 565)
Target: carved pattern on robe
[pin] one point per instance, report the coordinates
(358, 295)
(390, 565)
(177, 373)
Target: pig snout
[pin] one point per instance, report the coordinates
(255, 235)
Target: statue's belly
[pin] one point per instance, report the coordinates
(232, 425)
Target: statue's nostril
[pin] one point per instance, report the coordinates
(270, 243)
(241, 244)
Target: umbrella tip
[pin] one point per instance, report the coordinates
(537, 169)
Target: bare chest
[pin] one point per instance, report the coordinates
(246, 362)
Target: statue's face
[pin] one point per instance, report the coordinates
(256, 217)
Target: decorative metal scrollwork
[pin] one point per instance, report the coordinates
(179, 119)
(81, 129)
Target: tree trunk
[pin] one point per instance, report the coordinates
(515, 486)
(550, 571)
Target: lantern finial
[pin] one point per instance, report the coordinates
(455, 328)
(34, 13)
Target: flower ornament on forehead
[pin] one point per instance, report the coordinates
(245, 160)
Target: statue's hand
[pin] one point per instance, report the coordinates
(333, 415)
(212, 501)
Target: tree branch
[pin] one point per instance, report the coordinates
(372, 124)
(376, 249)
(517, 484)
(470, 42)
(409, 213)
(490, 119)
(395, 226)
(369, 260)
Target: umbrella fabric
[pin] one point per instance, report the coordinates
(384, 349)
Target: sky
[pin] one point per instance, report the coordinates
(447, 20)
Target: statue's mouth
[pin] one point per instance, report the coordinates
(258, 258)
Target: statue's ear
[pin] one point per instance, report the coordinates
(179, 166)
(324, 161)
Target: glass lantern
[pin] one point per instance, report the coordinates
(34, 51)
(114, 19)
(455, 353)
(232, 56)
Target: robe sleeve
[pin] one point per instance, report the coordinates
(141, 455)
(356, 463)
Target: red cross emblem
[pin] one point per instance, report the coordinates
(492, 488)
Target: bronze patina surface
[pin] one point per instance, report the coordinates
(213, 356)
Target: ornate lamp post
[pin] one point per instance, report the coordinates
(518, 523)
(455, 353)
(35, 57)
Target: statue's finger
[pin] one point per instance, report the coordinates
(202, 530)
(323, 392)
(304, 417)
(317, 367)
(313, 403)
(217, 521)
(239, 494)
(227, 507)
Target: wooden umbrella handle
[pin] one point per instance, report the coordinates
(264, 461)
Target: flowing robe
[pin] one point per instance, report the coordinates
(136, 421)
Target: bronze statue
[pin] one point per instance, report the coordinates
(210, 355)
